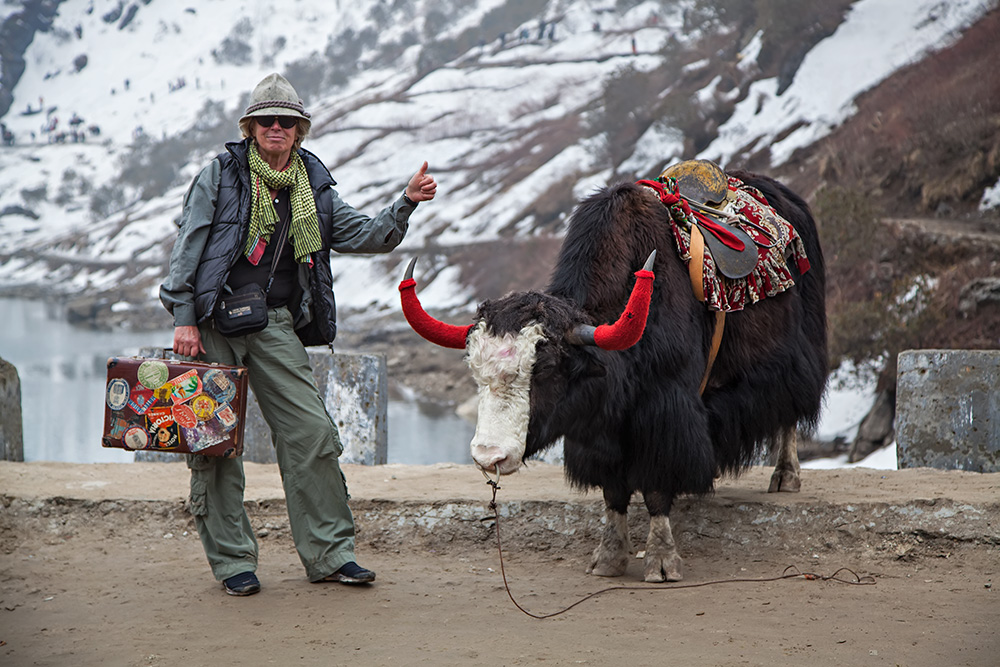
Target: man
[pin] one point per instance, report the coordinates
(237, 212)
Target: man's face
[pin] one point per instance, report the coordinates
(274, 138)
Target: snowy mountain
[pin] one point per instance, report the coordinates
(521, 107)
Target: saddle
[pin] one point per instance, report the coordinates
(734, 242)
(705, 187)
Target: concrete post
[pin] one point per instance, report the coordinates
(11, 425)
(948, 409)
(354, 388)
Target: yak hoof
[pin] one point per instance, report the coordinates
(604, 564)
(784, 481)
(661, 569)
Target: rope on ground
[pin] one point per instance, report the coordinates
(843, 575)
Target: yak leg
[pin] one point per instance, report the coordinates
(662, 562)
(610, 558)
(786, 463)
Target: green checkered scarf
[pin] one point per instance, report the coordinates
(305, 225)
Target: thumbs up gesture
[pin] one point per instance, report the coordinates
(422, 187)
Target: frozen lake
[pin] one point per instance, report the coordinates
(63, 372)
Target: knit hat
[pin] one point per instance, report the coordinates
(275, 96)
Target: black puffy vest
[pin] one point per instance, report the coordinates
(228, 236)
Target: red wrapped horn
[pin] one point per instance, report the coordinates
(437, 332)
(629, 328)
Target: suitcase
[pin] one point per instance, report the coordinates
(186, 407)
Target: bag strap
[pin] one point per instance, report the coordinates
(277, 253)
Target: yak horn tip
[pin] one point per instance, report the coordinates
(648, 266)
(409, 269)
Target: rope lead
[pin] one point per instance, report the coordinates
(790, 572)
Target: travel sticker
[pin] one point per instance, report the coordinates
(219, 386)
(203, 436)
(184, 415)
(152, 374)
(136, 438)
(117, 396)
(185, 386)
(227, 417)
(116, 428)
(164, 392)
(203, 406)
(159, 417)
(141, 399)
(166, 437)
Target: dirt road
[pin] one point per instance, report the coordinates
(99, 565)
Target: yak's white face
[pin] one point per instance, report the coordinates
(502, 366)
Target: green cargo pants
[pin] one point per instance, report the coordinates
(307, 445)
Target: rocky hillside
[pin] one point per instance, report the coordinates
(915, 157)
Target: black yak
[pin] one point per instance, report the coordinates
(637, 419)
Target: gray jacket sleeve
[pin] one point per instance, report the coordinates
(355, 232)
(177, 291)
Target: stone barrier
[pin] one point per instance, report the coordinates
(11, 425)
(354, 388)
(948, 409)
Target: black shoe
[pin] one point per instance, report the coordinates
(351, 573)
(244, 583)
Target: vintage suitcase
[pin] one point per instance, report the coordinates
(185, 407)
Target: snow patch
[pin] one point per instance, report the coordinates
(878, 37)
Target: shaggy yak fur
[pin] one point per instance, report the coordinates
(633, 420)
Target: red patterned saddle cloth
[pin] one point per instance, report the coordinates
(777, 244)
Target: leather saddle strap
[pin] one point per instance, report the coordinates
(696, 267)
(696, 271)
(720, 324)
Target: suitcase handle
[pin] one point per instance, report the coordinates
(168, 354)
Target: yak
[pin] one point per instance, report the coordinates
(640, 418)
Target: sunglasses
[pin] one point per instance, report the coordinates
(286, 122)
